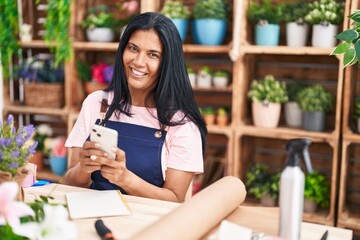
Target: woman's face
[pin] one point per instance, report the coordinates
(142, 58)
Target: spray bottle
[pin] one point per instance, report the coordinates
(292, 182)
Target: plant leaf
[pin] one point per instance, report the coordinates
(341, 48)
(357, 49)
(349, 57)
(355, 16)
(348, 35)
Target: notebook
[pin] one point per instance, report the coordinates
(96, 204)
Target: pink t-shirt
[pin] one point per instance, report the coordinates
(182, 148)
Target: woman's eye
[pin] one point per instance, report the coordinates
(132, 48)
(154, 55)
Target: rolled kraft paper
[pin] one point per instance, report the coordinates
(199, 214)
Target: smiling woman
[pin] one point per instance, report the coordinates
(151, 105)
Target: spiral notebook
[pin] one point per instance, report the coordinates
(97, 204)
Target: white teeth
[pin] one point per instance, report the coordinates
(138, 73)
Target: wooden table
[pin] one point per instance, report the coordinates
(146, 211)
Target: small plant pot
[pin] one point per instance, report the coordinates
(192, 78)
(323, 36)
(222, 120)
(293, 114)
(100, 34)
(93, 86)
(267, 116)
(314, 121)
(203, 80)
(310, 206)
(296, 34)
(209, 119)
(209, 31)
(358, 125)
(37, 159)
(181, 26)
(267, 34)
(267, 200)
(58, 165)
(220, 82)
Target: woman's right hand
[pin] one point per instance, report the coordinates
(88, 156)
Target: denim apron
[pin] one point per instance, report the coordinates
(143, 147)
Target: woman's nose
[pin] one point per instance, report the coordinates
(139, 60)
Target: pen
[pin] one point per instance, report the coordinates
(103, 231)
(324, 236)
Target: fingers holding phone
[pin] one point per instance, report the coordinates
(106, 137)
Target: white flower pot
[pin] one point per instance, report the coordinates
(266, 116)
(100, 34)
(324, 36)
(220, 82)
(192, 77)
(293, 114)
(203, 80)
(296, 34)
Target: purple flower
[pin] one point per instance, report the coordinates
(29, 130)
(13, 165)
(15, 154)
(1, 155)
(108, 73)
(5, 142)
(19, 141)
(32, 148)
(10, 119)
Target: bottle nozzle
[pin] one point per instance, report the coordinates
(297, 147)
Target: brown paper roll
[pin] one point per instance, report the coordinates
(200, 214)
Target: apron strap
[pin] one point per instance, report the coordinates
(104, 107)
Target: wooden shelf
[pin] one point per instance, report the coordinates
(35, 44)
(214, 129)
(193, 48)
(285, 133)
(213, 89)
(285, 50)
(36, 110)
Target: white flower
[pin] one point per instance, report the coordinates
(55, 226)
(45, 129)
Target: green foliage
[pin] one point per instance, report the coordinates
(265, 12)
(6, 232)
(83, 71)
(325, 12)
(273, 186)
(50, 73)
(221, 74)
(315, 98)
(205, 70)
(8, 33)
(99, 16)
(317, 188)
(207, 111)
(222, 111)
(356, 111)
(57, 30)
(349, 44)
(217, 9)
(268, 90)
(190, 70)
(295, 11)
(175, 9)
(293, 90)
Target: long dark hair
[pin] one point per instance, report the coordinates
(173, 91)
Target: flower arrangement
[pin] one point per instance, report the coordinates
(102, 73)
(36, 220)
(99, 16)
(14, 150)
(128, 9)
(325, 12)
(55, 146)
(42, 132)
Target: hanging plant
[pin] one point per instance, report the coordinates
(9, 30)
(57, 29)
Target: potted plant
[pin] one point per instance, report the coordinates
(271, 190)
(208, 114)
(267, 17)
(315, 101)
(267, 95)
(99, 24)
(297, 30)
(324, 15)
(220, 79)
(179, 14)
(58, 155)
(222, 116)
(46, 78)
(256, 180)
(356, 112)
(210, 22)
(9, 28)
(204, 77)
(192, 76)
(316, 192)
(293, 112)
(350, 44)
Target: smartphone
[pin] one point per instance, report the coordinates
(106, 137)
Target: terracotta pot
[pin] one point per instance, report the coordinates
(310, 206)
(93, 86)
(209, 119)
(221, 120)
(38, 160)
(267, 200)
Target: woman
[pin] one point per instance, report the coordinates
(161, 132)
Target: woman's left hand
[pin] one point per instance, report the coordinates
(115, 170)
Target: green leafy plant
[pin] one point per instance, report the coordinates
(293, 90)
(99, 16)
(207, 111)
(57, 30)
(217, 9)
(349, 41)
(356, 111)
(205, 70)
(295, 12)
(221, 74)
(222, 111)
(317, 188)
(175, 9)
(9, 30)
(83, 71)
(257, 177)
(268, 90)
(190, 70)
(315, 98)
(272, 187)
(325, 12)
(265, 12)
(49, 72)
